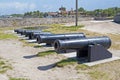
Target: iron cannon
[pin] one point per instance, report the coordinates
(19, 31)
(27, 33)
(94, 48)
(49, 39)
(34, 35)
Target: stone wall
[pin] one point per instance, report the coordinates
(8, 22)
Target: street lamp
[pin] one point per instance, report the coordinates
(76, 22)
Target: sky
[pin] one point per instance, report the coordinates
(21, 6)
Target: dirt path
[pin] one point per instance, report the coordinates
(26, 64)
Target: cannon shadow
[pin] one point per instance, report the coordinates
(46, 45)
(47, 67)
(32, 41)
(50, 66)
(30, 56)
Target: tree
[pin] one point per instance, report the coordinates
(81, 9)
(45, 14)
(98, 12)
(34, 14)
(17, 15)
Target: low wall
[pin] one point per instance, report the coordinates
(10, 22)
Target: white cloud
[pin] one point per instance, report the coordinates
(17, 5)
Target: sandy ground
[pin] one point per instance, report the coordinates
(26, 64)
(107, 26)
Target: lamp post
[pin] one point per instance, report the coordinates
(76, 22)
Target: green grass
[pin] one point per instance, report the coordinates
(7, 36)
(4, 66)
(66, 62)
(72, 28)
(18, 79)
(4, 35)
(45, 53)
(32, 28)
(25, 43)
(37, 46)
(6, 28)
(98, 75)
(115, 41)
(82, 67)
(57, 28)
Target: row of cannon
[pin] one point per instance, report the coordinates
(93, 48)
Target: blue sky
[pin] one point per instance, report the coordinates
(21, 6)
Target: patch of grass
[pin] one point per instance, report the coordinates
(4, 66)
(56, 25)
(66, 62)
(27, 43)
(73, 28)
(2, 63)
(105, 71)
(82, 67)
(18, 79)
(6, 28)
(115, 46)
(98, 75)
(45, 53)
(115, 41)
(57, 28)
(31, 28)
(7, 36)
(37, 46)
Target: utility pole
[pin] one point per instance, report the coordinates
(76, 22)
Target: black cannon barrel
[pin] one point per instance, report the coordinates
(19, 31)
(22, 32)
(82, 43)
(29, 32)
(16, 30)
(34, 35)
(51, 38)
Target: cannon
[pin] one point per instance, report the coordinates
(34, 35)
(27, 33)
(20, 31)
(94, 48)
(16, 30)
(49, 39)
